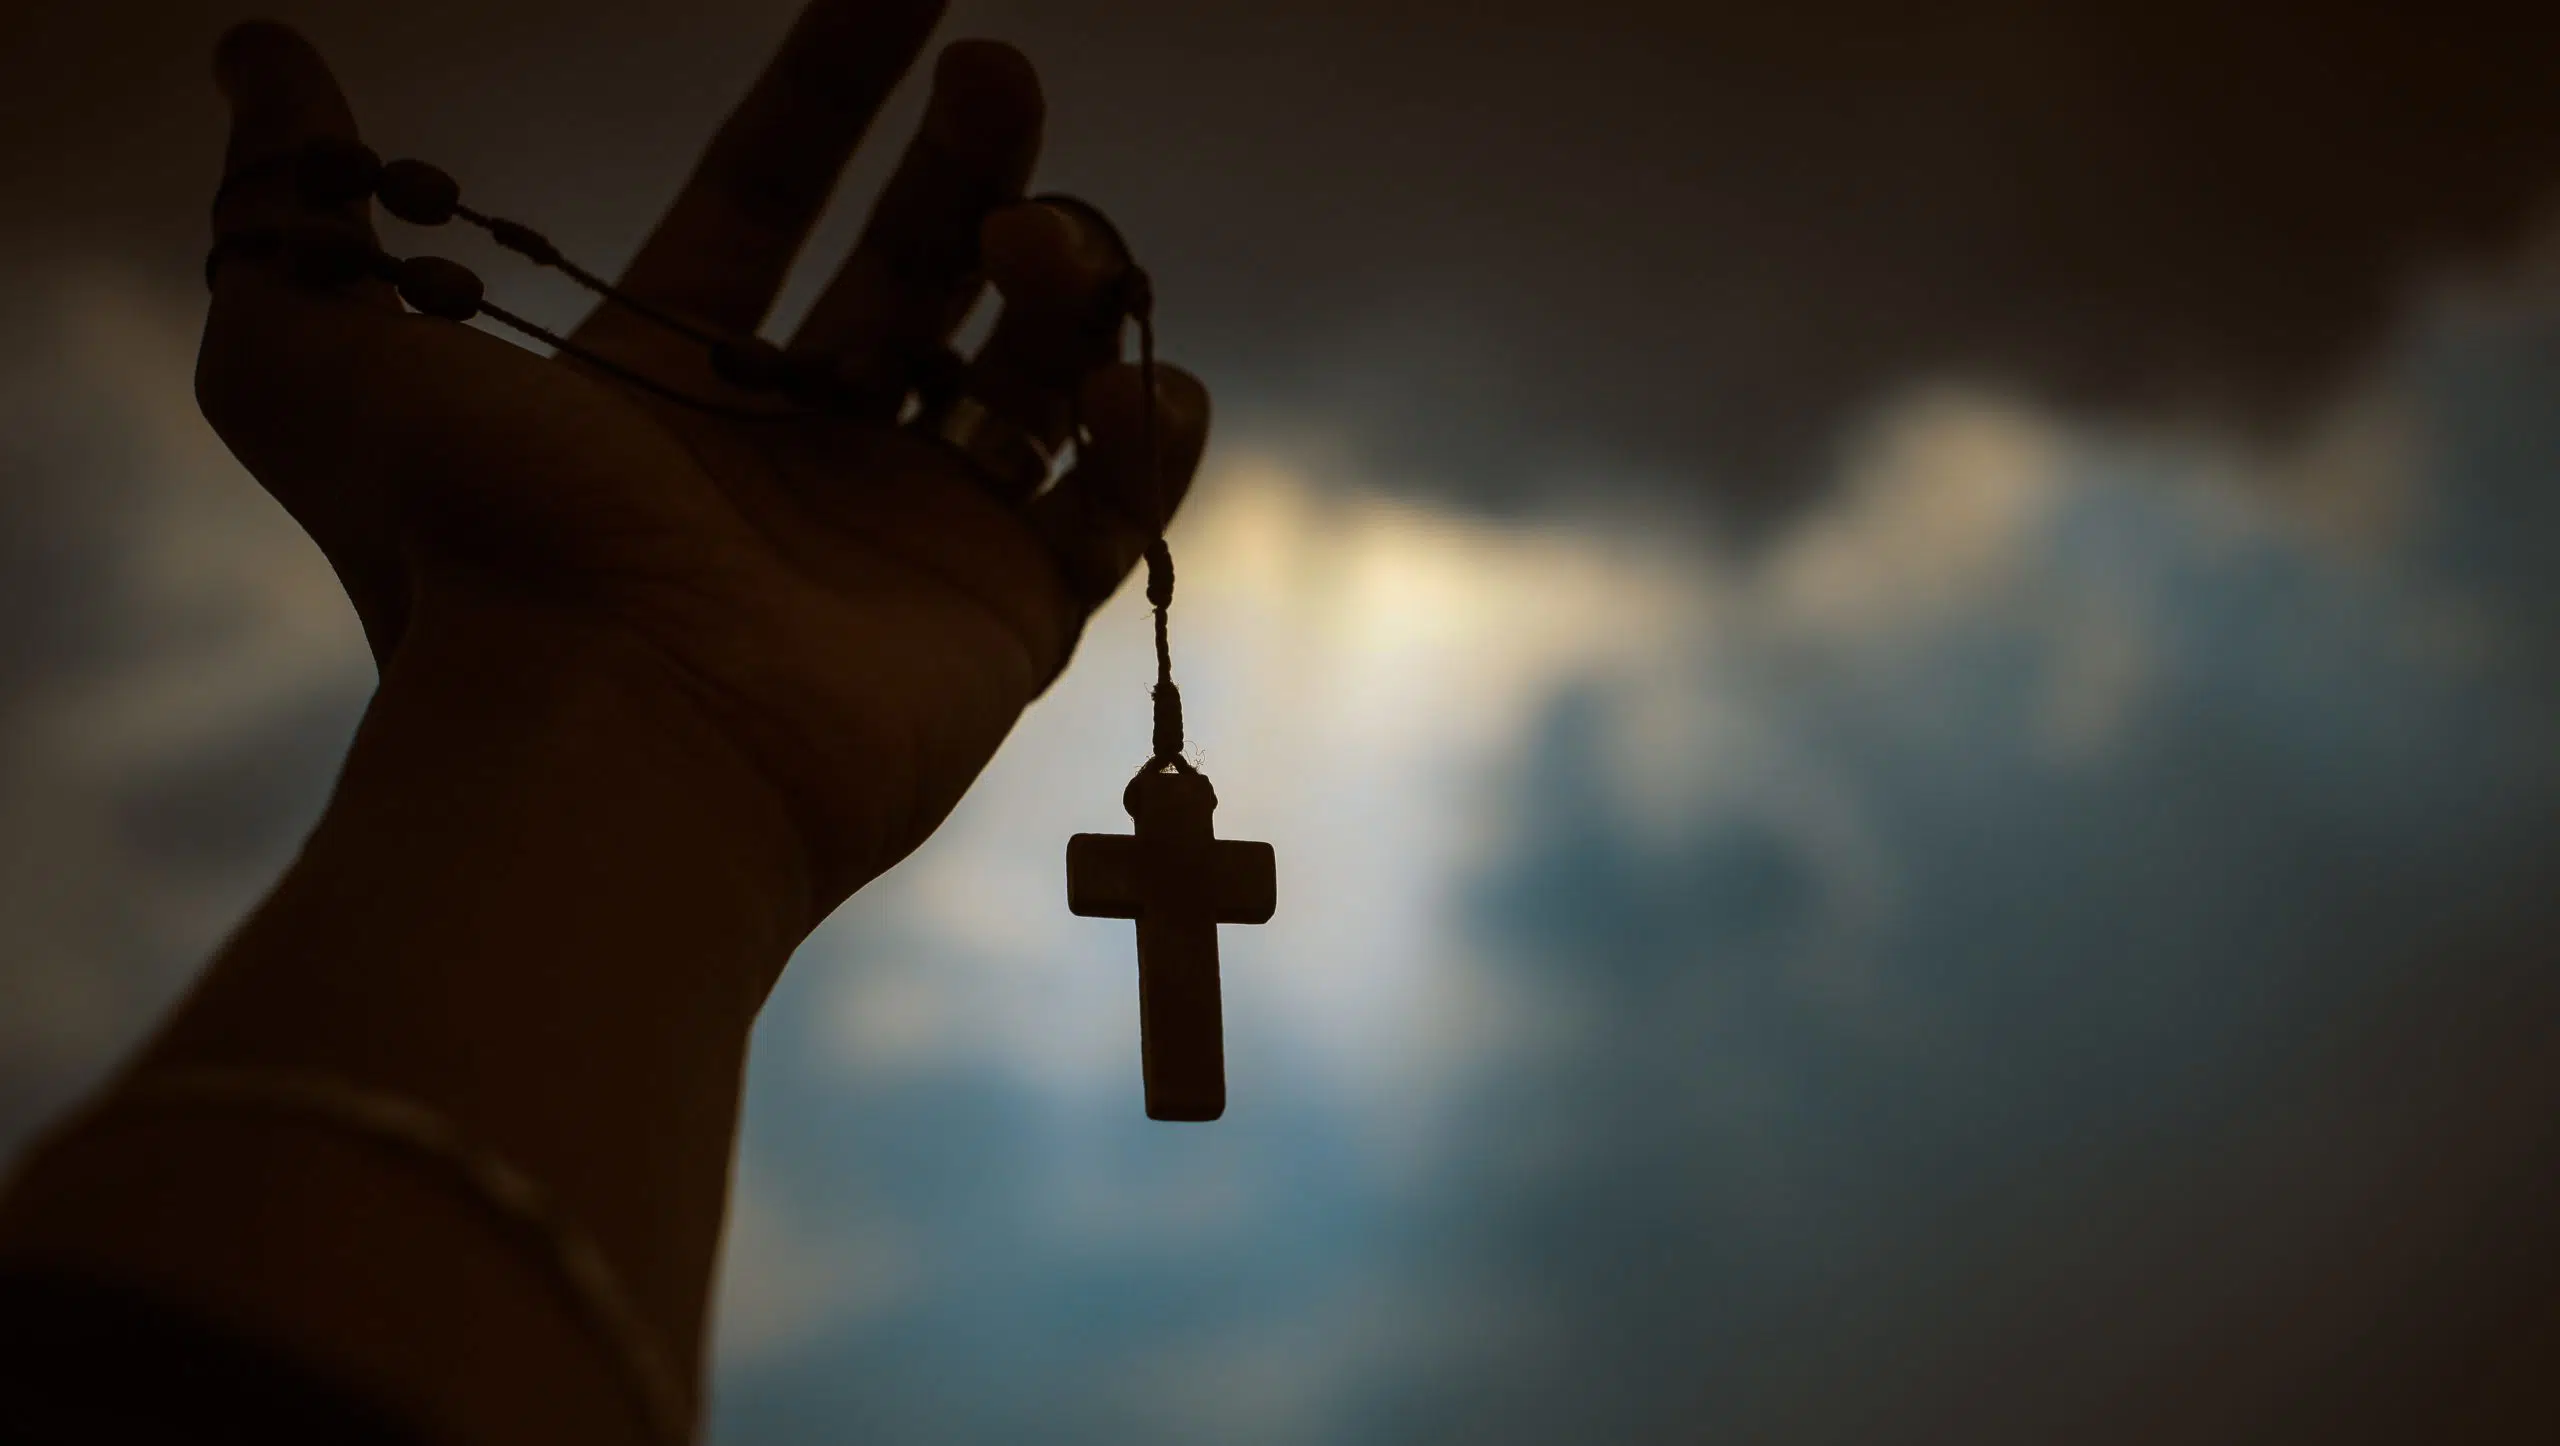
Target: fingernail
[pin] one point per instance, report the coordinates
(986, 99)
(1179, 399)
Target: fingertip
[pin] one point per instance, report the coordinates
(1019, 243)
(280, 92)
(986, 96)
(1099, 520)
(250, 51)
(1115, 402)
(1045, 255)
(992, 64)
(1184, 397)
(1115, 399)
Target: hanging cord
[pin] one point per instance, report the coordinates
(1167, 697)
(615, 369)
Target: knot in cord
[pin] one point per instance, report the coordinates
(1168, 698)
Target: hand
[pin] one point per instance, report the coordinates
(845, 603)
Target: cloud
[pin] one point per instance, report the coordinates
(1302, 1377)
(1681, 936)
(179, 679)
(1864, 958)
(1724, 970)
(786, 1281)
(1355, 670)
(1677, 940)
(1495, 242)
(2142, 1082)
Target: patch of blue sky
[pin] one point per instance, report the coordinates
(1928, 887)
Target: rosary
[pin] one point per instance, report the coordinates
(1173, 875)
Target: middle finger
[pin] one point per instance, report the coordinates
(915, 272)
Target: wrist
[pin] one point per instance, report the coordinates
(595, 767)
(544, 902)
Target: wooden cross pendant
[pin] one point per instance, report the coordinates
(1180, 882)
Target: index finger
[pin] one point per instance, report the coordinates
(722, 249)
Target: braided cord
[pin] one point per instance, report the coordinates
(535, 247)
(1167, 697)
(588, 356)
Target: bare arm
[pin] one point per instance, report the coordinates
(658, 691)
(541, 903)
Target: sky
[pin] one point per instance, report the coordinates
(1904, 673)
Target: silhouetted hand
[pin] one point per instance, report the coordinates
(660, 686)
(845, 603)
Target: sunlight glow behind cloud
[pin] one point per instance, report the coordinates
(1990, 606)
(1357, 674)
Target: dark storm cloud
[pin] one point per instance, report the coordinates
(1500, 240)
(2190, 1085)
(2221, 1165)
(2200, 1094)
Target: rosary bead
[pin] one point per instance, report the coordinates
(438, 287)
(418, 193)
(753, 365)
(336, 172)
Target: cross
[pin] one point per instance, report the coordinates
(1180, 882)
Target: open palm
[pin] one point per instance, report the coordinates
(846, 601)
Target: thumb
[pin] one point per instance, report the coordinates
(285, 106)
(280, 93)
(284, 358)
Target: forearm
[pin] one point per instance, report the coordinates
(544, 902)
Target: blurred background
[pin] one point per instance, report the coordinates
(1904, 660)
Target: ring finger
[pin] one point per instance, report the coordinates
(1060, 270)
(915, 272)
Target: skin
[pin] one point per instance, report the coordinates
(659, 689)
